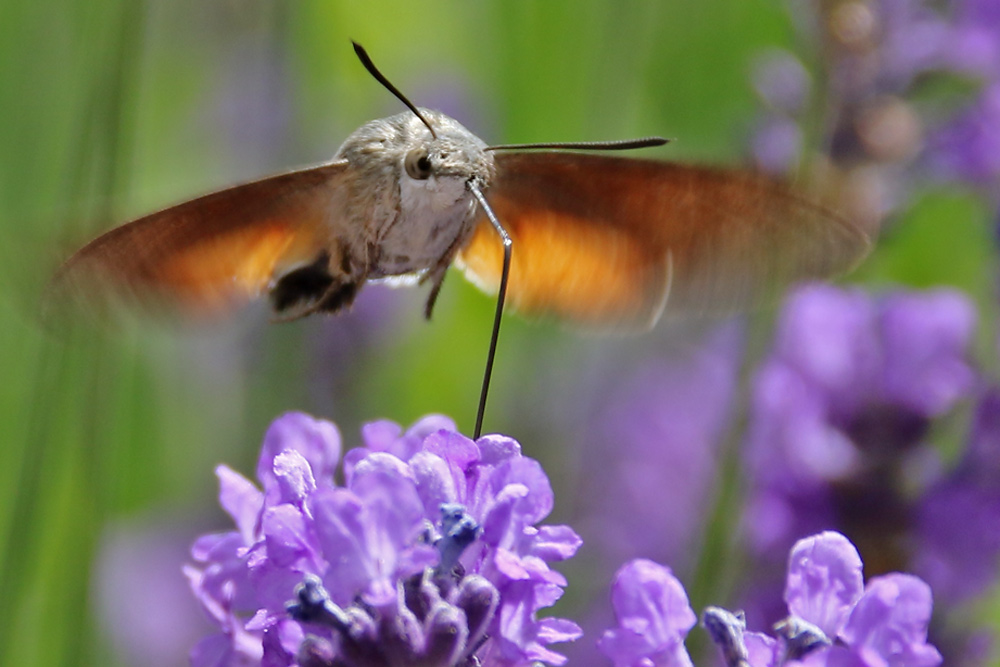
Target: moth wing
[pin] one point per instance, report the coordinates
(608, 242)
(210, 254)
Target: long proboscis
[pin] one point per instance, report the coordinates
(501, 297)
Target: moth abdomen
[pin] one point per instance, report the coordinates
(310, 289)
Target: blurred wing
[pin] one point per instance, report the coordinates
(212, 253)
(606, 242)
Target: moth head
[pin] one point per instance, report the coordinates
(453, 152)
(403, 144)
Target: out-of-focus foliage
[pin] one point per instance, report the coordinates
(110, 108)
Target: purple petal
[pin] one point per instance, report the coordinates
(273, 586)
(554, 543)
(241, 500)
(379, 463)
(824, 580)
(653, 616)
(217, 547)
(510, 565)
(501, 527)
(556, 630)
(495, 449)
(445, 470)
(318, 441)
(386, 436)
(436, 482)
(390, 498)
(275, 654)
(286, 535)
(221, 585)
(538, 501)
(294, 477)
(370, 534)
(227, 650)
(338, 516)
(379, 436)
(233, 646)
(762, 650)
(890, 621)
(514, 567)
(454, 448)
(428, 424)
(521, 637)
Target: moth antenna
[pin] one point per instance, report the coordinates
(501, 294)
(620, 145)
(370, 66)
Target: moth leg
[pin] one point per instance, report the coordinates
(435, 290)
(436, 275)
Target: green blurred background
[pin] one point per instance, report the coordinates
(111, 108)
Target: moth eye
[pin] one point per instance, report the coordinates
(418, 164)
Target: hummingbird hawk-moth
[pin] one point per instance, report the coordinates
(603, 242)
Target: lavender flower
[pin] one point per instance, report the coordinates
(964, 147)
(879, 136)
(883, 623)
(843, 405)
(835, 619)
(429, 554)
(839, 437)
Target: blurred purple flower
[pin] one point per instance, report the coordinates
(835, 620)
(653, 615)
(429, 553)
(137, 563)
(776, 144)
(651, 443)
(967, 148)
(914, 38)
(846, 397)
(878, 135)
(666, 423)
(964, 144)
(782, 81)
(960, 557)
(975, 43)
(783, 84)
(839, 437)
